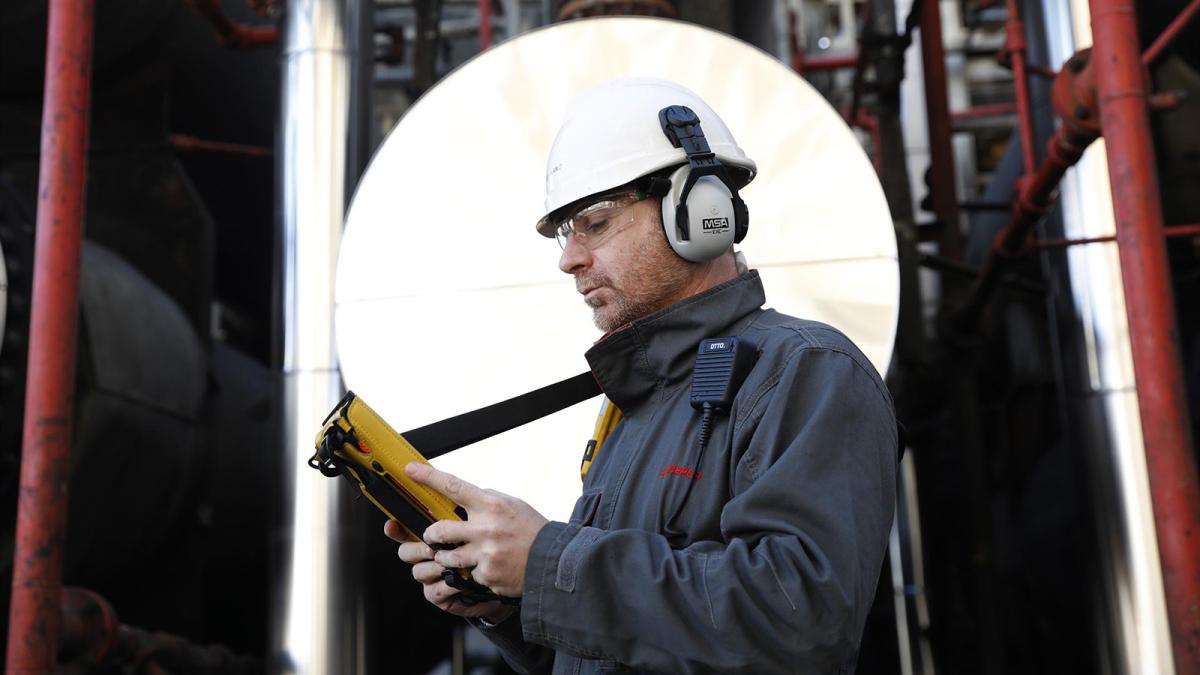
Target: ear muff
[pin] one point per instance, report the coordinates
(708, 228)
(702, 212)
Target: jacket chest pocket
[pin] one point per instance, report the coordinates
(690, 489)
(586, 508)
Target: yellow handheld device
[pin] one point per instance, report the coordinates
(355, 442)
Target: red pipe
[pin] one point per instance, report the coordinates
(1168, 231)
(817, 62)
(1182, 230)
(485, 24)
(1041, 71)
(1122, 85)
(1065, 243)
(1075, 102)
(230, 33)
(1014, 45)
(89, 627)
(185, 142)
(34, 614)
(943, 191)
(1171, 32)
(983, 111)
(94, 639)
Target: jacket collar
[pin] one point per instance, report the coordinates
(659, 350)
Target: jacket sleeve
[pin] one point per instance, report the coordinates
(805, 531)
(524, 657)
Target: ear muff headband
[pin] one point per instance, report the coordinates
(682, 128)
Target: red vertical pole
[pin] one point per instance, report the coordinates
(943, 190)
(485, 24)
(1015, 46)
(1122, 86)
(41, 509)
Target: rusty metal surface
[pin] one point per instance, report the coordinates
(94, 640)
(1074, 102)
(89, 627)
(1014, 46)
(1169, 231)
(41, 510)
(232, 34)
(1122, 87)
(943, 190)
(1170, 33)
(803, 63)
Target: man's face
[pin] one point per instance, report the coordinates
(632, 273)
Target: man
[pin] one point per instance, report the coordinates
(753, 546)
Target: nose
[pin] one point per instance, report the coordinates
(575, 257)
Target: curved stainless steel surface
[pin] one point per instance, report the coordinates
(1133, 628)
(316, 613)
(447, 300)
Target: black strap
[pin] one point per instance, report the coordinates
(433, 440)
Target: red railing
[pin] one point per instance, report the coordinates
(34, 615)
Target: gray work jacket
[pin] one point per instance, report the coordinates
(772, 563)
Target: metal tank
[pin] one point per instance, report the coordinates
(317, 603)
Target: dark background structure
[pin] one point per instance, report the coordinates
(172, 508)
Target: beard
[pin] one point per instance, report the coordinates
(651, 277)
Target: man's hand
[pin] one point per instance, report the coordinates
(429, 574)
(493, 543)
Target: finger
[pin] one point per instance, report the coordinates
(392, 530)
(449, 532)
(463, 557)
(440, 593)
(413, 552)
(458, 490)
(428, 572)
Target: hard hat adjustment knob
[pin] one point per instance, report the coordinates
(681, 116)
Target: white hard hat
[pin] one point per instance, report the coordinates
(612, 136)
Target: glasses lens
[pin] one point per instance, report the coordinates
(593, 223)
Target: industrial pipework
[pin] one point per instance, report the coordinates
(1123, 89)
(34, 618)
(1105, 91)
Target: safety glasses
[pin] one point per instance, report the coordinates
(594, 223)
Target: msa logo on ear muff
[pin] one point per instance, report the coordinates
(703, 199)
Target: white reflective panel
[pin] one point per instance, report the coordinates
(448, 300)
